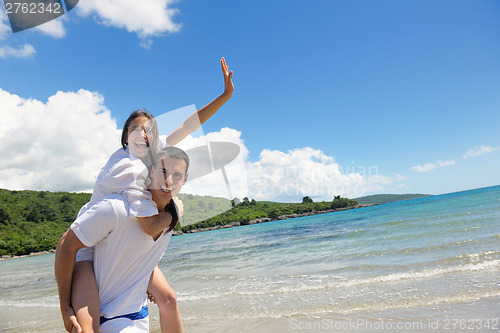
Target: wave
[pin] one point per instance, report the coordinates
(427, 273)
(310, 283)
(423, 249)
(439, 300)
(30, 303)
(315, 311)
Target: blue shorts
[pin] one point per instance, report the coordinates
(133, 322)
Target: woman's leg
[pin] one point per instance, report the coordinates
(85, 296)
(170, 317)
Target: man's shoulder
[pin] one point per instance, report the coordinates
(100, 219)
(115, 204)
(117, 201)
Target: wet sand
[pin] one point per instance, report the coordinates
(474, 316)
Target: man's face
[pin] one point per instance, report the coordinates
(167, 178)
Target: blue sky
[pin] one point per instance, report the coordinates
(364, 96)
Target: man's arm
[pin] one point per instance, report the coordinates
(66, 251)
(198, 118)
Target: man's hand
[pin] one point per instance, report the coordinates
(228, 75)
(70, 323)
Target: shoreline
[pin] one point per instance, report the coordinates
(268, 219)
(32, 254)
(217, 227)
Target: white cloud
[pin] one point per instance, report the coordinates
(56, 145)
(61, 144)
(214, 184)
(306, 171)
(7, 51)
(26, 51)
(480, 151)
(286, 177)
(54, 28)
(4, 26)
(146, 43)
(431, 166)
(146, 18)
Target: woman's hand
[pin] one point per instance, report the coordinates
(179, 206)
(151, 298)
(228, 75)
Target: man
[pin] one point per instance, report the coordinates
(125, 255)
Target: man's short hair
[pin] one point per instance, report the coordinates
(172, 152)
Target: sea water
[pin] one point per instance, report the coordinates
(433, 258)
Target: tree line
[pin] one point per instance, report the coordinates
(33, 221)
(247, 210)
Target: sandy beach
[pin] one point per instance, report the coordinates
(475, 316)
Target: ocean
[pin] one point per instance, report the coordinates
(428, 264)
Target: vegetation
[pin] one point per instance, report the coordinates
(307, 199)
(379, 199)
(248, 210)
(198, 208)
(339, 202)
(33, 221)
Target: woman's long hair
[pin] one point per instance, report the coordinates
(152, 144)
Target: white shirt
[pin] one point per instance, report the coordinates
(124, 256)
(124, 173)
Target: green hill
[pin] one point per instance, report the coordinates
(247, 212)
(198, 208)
(33, 221)
(378, 199)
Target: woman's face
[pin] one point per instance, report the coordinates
(137, 131)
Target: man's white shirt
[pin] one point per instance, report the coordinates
(124, 256)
